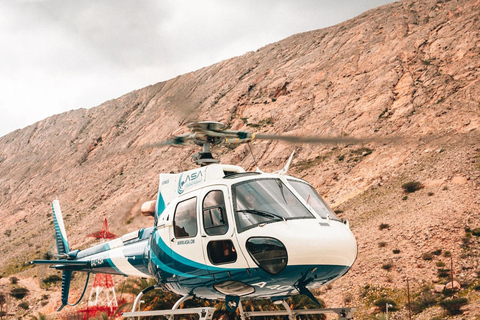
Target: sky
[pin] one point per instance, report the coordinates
(59, 55)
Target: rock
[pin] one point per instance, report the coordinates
(438, 288)
(455, 285)
(459, 180)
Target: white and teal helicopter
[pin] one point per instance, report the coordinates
(223, 233)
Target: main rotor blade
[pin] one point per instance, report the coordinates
(176, 141)
(311, 139)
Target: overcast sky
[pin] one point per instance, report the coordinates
(58, 55)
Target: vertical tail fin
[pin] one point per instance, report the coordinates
(60, 234)
(62, 249)
(66, 278)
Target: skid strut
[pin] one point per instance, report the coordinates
(343, 313)
(204, 313)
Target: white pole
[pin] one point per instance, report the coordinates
(386, 308)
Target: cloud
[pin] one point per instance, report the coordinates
(59, 55)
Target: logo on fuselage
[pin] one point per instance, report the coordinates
(189, 180)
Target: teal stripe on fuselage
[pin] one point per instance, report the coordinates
(172, 271)
(160, 204)
(182, 260)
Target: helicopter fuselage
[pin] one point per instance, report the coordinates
(220, 231)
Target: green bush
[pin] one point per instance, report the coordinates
(387, 266)
(426, 299)
(24, 305)
(383, 226)
(476, 232)
(19, 293)
(412, 186)
(52, 279)
(440, 264)
(453, 306)
(427, 256)
(443, 273)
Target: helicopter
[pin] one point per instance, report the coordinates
(223, 233)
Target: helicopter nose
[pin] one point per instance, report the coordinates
(308, 243)
(322, 243)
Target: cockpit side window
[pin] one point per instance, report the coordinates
(185, 219)
(214, 215)
(312, 198)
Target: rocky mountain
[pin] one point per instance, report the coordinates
(407, 73)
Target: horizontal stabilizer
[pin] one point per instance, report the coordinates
(61, 262)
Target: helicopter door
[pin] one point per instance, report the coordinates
(185, 241)
(220, 245)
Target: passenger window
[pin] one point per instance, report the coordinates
(214, 216)
(185, 219)
(221, 251)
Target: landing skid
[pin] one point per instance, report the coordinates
(206, 313)
(343, 313)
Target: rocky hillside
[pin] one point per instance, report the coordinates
(408, 71)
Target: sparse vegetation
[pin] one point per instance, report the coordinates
(382, 304)
(387, 266)
(466, 240)
(440, 264)
(427, 256)
(476, 232)
(383, 226)
(424, 300)
(52, 279)
(443, 273)
(261, 123)
(412, 186)
(426, 62)
(24, 305)
(19, 293)
(453, 306)
(307, 164)
(396, 251)
(382, 244)
(384, 113)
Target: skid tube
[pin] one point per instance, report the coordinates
(343, 313)
(204, 313)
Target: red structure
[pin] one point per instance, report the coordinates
(104, 233)
(102, 296)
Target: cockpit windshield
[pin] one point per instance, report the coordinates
(311, 197)
(264, 201)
